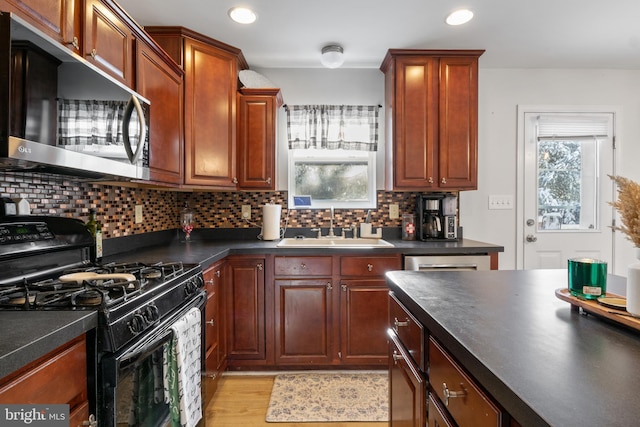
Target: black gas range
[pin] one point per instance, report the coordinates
(46, 266)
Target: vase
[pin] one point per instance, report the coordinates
(633, 286)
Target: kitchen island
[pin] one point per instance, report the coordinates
(540, 361)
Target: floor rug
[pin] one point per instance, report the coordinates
(329, 397)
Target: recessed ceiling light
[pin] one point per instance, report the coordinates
(459, 17)
(242, 15)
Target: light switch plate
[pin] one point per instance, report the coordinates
(394, 211)
(138, 214)
(501, 202)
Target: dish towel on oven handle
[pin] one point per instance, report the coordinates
(182, 370)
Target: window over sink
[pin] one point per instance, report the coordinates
(332, 156)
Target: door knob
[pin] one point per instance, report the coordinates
(531, 238)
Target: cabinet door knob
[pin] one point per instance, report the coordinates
(94, 53)
(260, 267)
(344, 288)
(303, 265)
(217, 273)
(430, 180)
(209, 282)
(443, 180)
(329, 287)
(75, 43)
(396, 357)
(210, 322)
(448, 394)
(269, 180)
(234, 180)
(370, 267)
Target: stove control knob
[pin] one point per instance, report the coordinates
(137, 323)
(151, 313)
(190, 287)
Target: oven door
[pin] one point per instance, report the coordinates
(131, 389)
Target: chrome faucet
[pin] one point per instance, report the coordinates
(331, 234)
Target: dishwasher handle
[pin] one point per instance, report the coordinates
(422, 267)
(466, 262)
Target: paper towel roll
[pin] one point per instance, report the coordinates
(271, 222)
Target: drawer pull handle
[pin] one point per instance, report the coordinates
(210, 322)
(397, 323)
(370, 267)
(396, 357)
(448, 394)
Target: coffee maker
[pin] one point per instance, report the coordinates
(437, 216)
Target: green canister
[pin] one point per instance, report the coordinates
(587, 278)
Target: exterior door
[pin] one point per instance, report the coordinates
(567, 159)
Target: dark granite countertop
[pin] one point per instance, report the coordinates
(29, 335)
(206, 252)
(26, 336)
(544, 363)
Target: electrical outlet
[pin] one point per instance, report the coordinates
(138, 214)
(394, 211)
(246, 211)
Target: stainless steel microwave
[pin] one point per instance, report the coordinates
(65, 115)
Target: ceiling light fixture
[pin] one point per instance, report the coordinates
(242, 15)
(332, 56)
(459, 17)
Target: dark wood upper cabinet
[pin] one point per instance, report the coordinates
(59, 19)
(210, 86)
(108, 41)
(256, 138)
(161, 83)
(431, 111)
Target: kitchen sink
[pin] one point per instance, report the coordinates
(324, 242)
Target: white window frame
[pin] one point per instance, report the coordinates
(318, 156)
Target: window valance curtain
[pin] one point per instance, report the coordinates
(331, 127)
(91, 122)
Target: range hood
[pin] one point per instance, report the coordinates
(35, 146)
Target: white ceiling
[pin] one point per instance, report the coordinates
(514, 33)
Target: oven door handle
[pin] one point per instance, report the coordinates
(142, 351)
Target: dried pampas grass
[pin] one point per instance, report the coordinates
(628, 205)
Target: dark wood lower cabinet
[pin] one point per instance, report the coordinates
(215, 322)
(245, 305)
(301, 311)
(303, 333)
(59, 377)
(364, 314)
(407, 387)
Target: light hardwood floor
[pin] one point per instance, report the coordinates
(242, 400)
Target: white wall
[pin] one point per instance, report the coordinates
(501, 91)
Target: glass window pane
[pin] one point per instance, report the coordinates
(332, 181)
(567, 185)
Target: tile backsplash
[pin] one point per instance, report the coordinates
(62, 196)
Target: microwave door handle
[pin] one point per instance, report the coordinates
(133, 103)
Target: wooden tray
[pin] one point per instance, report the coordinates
(622, 317)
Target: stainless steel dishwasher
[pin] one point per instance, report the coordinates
(447, 262)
